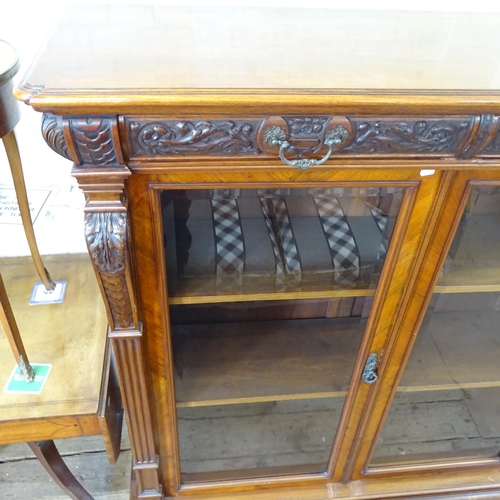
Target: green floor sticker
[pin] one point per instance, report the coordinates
(17, 385)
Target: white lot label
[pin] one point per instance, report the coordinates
(9, 209)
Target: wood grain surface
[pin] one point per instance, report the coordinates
(71, 336)
(186, 57)
(272, 48)
(257, 361)
(447, 351)
(408, 84)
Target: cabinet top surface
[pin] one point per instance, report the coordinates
(136, 53)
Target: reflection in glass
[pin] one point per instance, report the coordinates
(244, 241)
(262, 394)
(269, 291)
(448, 402)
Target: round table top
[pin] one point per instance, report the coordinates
(9, 62)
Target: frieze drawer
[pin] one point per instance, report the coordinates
(460, 137)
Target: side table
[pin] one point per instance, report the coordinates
(81, 396)
(9, 117)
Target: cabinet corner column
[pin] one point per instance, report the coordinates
(92, 143)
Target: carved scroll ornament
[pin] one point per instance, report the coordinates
(106, 239)
(94, 142)
(52, 131)
(409, 136)
(386, 136)
(493, 145)
(220, 137)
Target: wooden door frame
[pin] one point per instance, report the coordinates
(414, 220)
(426, 275)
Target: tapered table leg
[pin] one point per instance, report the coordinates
(9, 324)
(47, 454)
(16, 168)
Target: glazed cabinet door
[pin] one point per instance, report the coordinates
(445, 411)
(278, 295)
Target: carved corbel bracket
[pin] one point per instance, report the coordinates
(88, 142)
(53, 133)
(93, 145)
(106, 235)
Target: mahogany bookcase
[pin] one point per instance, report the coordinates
(293, 218)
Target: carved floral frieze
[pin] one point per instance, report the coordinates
(388, 136)
(93, 142)
(220, 137)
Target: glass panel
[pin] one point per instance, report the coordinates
(269, 291)
(448, 402)
(245, 242)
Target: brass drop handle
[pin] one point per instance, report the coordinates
(276, 136)
(369, 376)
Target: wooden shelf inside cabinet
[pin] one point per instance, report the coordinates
(81, 396)
(446, 408)
(446, 358)
(275, 244)
(474, 267)
(470, 279)
(298, 292)
(264, 361)
(308, 359)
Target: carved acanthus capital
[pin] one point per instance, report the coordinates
(106, 235)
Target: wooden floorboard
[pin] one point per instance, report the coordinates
(28, 480)
(23, 477)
